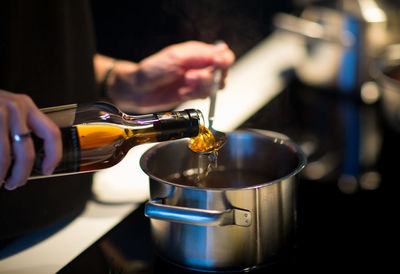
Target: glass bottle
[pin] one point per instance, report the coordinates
(100, 135)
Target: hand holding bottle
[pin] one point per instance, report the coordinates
(91, 137)
(19, 116)
(168, 78)
(162, 81)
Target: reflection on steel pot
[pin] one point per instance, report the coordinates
(387, 75)
(241, 216)
(327, 42)
(341, 42)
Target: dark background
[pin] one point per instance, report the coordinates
(134, 30)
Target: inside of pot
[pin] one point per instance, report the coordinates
(246, 160)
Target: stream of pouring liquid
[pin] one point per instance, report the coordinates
(207, 148)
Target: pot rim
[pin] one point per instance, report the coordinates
(390, 55)
(274, 136)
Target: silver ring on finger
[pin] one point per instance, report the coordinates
(20, 137)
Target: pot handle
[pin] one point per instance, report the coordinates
(155, 209)
(310, 29)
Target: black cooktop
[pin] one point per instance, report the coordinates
(346, 199)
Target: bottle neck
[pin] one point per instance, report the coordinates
(167, 125)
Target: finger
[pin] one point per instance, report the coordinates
(47, 130)
(23, 150)
(197, 55)
(192, 54)
(224, 58)
(24, 156)
(5, 154)
(197, 83)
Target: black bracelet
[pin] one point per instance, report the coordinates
(104, 83)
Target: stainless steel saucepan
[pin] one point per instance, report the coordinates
(242, 215)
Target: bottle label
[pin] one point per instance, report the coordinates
(71, 157)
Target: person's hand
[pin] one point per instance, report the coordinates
(19, 117)
(170, 77)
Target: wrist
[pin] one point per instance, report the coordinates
(104, 67)
(106, 82)
(122, 81)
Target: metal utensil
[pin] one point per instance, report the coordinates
(210, 140)
(220, 137)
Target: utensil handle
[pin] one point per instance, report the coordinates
(216, 81)
(155, 209)
(217, 74)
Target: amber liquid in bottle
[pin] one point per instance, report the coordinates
(104, 145)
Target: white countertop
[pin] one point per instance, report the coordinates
(253, 81)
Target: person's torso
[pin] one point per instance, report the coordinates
(46, 50)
